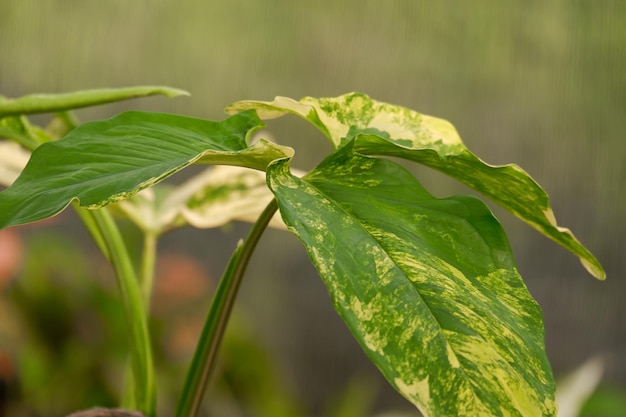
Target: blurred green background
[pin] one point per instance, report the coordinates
(538, 83)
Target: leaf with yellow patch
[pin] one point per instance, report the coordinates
(427, 286)
(387, 129)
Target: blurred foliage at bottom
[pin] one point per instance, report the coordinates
(608, 401)
(63, 343)
(62, 332)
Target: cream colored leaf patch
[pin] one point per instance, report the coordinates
(343, 117)
(212, 198)
(13, 159)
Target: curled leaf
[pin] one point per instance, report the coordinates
(48, 103)
(387, 129)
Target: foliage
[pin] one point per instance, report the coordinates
(428, 286)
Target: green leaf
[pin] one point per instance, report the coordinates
(48, 103)
(107, 161)
(427, 286)
(386, 129)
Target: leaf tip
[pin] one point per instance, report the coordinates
(594, 268)
(174, 92)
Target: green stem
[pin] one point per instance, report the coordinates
(86, 216)
(148, 261)
(25, 141)
(70, 122)
(205, 356)
(147, 272)
(139, 340)
(148, 258)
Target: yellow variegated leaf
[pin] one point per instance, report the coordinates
(427, 286)
(387, 129)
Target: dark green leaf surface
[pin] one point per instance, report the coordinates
(106, 161)
(386, 129)
(428, 287)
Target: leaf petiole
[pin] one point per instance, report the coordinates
(208, 346)
(148, 262)
(143, 377)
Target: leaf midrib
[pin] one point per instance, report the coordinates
(434, 318)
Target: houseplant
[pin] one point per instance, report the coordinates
(428, 286)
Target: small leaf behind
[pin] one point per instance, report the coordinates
(211, 198)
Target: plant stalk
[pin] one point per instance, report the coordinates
(86, 216)
(148, 262)
(205, 356)
(143, 378)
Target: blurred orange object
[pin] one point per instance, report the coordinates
(180, 279)
(11, 253)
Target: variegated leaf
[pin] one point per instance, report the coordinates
(427, 286)
(386, 129)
